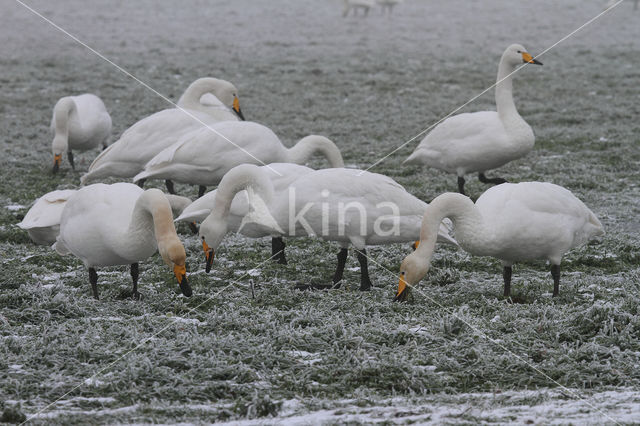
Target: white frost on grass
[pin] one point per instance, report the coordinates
(14, 207)
(305, 357)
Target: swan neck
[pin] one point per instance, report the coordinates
(190, 99)
(151, 212)
(63, 109)
(504, 90)
(467, 221)
(238, 179)
(301, 152)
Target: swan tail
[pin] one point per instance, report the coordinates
(420, 156)
(196, 215)
(445, 233)
(60, 248)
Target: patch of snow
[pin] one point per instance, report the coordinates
(14, 207)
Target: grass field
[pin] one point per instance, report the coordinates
(247, 346)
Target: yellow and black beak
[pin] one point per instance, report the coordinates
(403, 290)
(57, 159)
(208, 256)
(236, 107)
(180, 271)
(527, 58)
(415, 245)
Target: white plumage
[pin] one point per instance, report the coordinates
(481, 141)
(42, 221)
(511, 222)
(79, 123)
(143, 140)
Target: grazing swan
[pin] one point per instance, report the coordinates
(142, 141)
(120, 224)
(354, 5)
(42, 221)
(202, 157)
(81, 123)
(281, 176)
(481, 141)
(511, 222)
(387, 5)
(345, 205)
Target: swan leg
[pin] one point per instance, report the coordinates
(134, 276)
(496, 181)
(93, 279)
(201, 190)
(506, 274)
(70, 157)
(461, 185)
(141, 183)
(169, 184)
(555, 273)
(365, 282)
(342, 260)
(277, 250)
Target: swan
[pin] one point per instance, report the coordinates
(511, 222)
(202, 157)
(42, 221)
(281, 176)
(481, 141)
(354, 5)
(387, 5)
(120, 224)
(143, 140)
(349, 206)
(81, 123)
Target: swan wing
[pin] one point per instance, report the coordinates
(47, 210)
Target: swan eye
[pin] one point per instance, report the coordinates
(519, 51)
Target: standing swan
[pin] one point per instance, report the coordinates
(345, 205)
(120, 224)
(511, 222)
(81, 123)
(202, 157)
(142, 141)
(481, 141)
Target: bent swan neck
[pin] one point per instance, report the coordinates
(238, 179)
(190, 99)
(151, 222)
(301, 152)
(62, 111)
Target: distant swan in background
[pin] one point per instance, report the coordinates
(202, 157)
(81, 123)
(511, 222)
(481, 141)
(354, 5)
(388, 5)
(120, 224)
(349, 206)
(42, 221)
(143, 140)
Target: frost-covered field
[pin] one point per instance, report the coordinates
(456, 352)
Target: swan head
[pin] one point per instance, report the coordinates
(212, 231)
(516, 54)
(412, 270)
(174, 255)
(227, 94)
(58, 147)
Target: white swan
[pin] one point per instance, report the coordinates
(281, 176)
(354, 5)
(81, 123)
(142, 141)
(481, 141)
(388, 5)
(120, 224)
(202, 157)
(42, 221)
(345, 205)
(511, 222)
